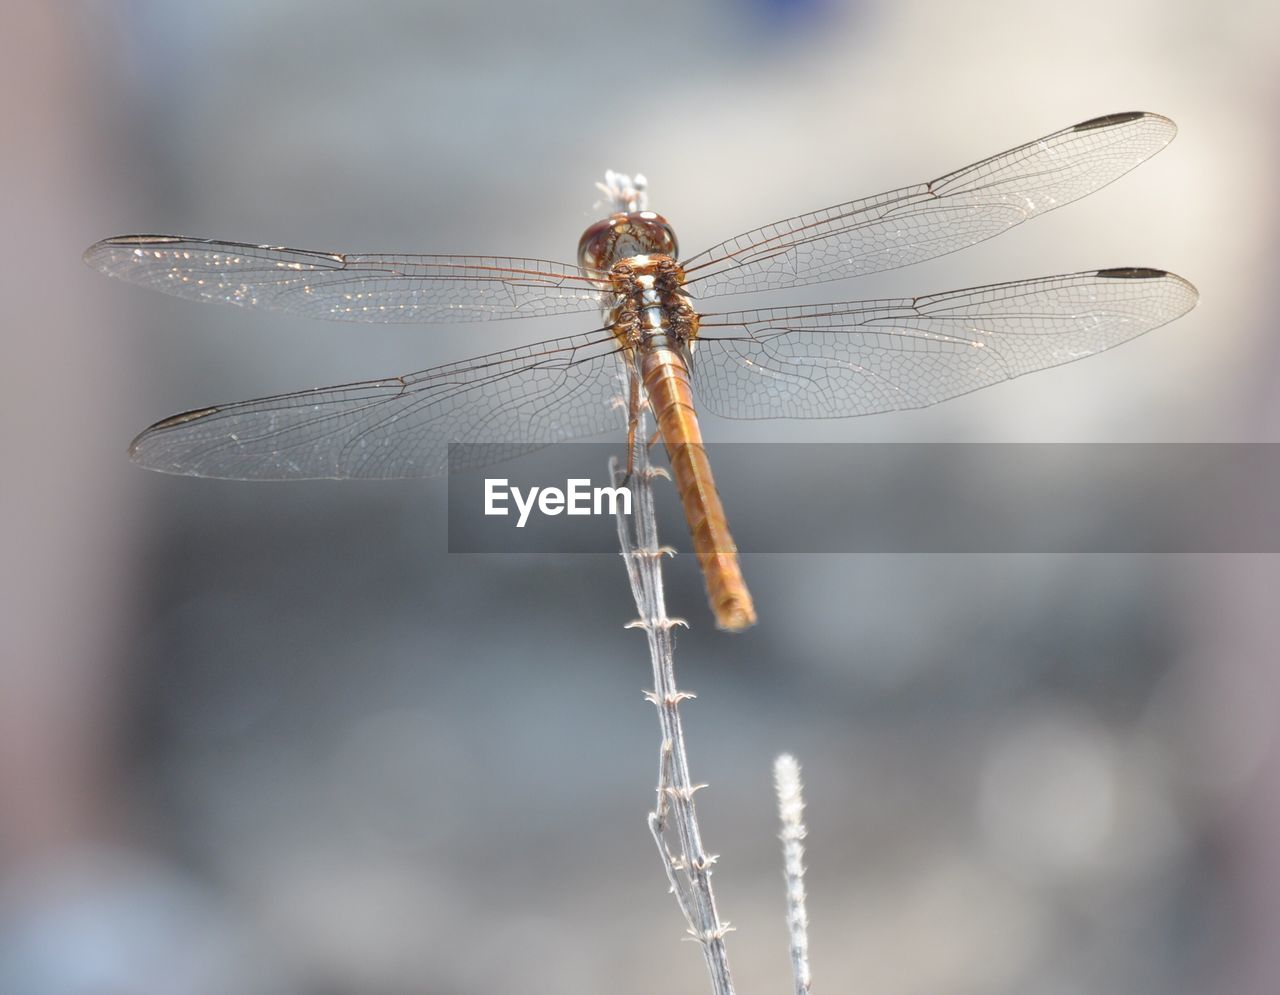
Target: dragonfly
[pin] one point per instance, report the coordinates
(655, 350)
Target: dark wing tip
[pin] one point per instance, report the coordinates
(1184, 290)
(103, 251)
(1132, 273)
(137, 446)
(142, 239)
(1108, 120)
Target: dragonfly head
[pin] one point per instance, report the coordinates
(621, 236)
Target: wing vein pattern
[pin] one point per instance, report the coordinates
(864, 357)
(383, 288)
(517, 400)
(920, 222)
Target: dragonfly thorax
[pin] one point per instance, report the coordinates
(651, 309)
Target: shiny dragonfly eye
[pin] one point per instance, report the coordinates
(621, 236)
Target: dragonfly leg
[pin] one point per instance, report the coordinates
(633, 423)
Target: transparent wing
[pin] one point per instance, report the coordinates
(863, 357)
(520, 399)
(920, 222)
(346, 286)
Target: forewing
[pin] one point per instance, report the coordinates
(930, 219)
(519, 400)
(864, 357)
(346, 286)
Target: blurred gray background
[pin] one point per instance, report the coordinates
(273, 739)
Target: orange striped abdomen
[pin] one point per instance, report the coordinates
(666, 380)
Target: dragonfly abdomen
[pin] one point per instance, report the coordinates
(666, 380)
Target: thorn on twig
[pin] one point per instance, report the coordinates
(684, 792)
(660, 624)
(655, 554)
(669, 699)
(711, 935)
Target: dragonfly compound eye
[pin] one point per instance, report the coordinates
(622, 236)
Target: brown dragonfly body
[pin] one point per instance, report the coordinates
(655, 324)
(809, 361)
